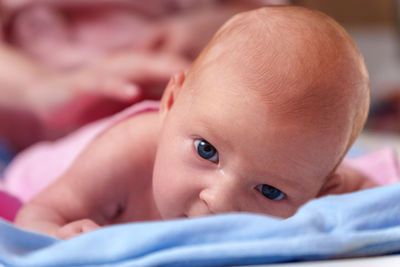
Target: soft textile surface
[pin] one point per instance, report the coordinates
(357, 224)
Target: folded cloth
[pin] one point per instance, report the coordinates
(364, 223)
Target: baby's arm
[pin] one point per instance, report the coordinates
(92, 192)
(85, 191)
(42, 214)
(349, 179)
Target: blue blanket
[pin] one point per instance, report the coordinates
(357, 224)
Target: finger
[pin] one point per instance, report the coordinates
(108, 85)
(119, 89)
(163, 65)
(88, 226)
(67, 231)
(75, 228)
(135, 66)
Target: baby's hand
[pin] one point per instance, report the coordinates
(75, 228)
(101, 89)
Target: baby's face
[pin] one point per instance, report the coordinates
(222, 151)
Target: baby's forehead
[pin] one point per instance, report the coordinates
(302, 64)
(285, 44)
(227, 97)
(268, 87)
(243, 127)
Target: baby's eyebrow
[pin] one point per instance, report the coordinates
(283, 183)
(292, 184)
(212, 135)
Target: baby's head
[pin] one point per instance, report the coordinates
(263, 117)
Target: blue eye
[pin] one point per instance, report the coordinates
(206, 150)
(270, 192)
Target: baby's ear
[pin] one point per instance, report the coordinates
(333, 185)
(171, 92)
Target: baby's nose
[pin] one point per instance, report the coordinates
(221, 198)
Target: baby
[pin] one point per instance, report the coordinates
(259, 123)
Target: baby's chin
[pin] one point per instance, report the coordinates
(190, 215)
(194, 215)
(198, 214)
(176, 216)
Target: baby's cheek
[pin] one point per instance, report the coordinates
(280, 210)
(164, 191)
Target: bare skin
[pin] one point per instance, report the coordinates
(101, 200)
(88, 204)
(217, 144)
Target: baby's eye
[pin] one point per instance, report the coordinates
(206, 150)
(270, 192)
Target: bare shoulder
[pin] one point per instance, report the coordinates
(101, 181)
(132, 142)
(133, 145)
(145, 126)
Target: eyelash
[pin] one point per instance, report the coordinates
(206, 150)
(265, 189)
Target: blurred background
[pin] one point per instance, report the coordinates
(375, 27)
(64, 63)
